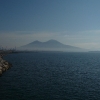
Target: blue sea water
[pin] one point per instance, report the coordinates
(51, 76)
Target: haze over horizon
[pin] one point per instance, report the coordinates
(71, 22)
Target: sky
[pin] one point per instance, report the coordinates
(71, 22)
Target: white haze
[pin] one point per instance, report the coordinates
(83, 39)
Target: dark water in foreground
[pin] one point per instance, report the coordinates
(51, 76)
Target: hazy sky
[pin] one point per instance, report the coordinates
(73, 22)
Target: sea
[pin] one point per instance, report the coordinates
(51, 76)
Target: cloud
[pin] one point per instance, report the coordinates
(85, 39)
(19, 38)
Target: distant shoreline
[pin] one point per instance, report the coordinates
(94, 51)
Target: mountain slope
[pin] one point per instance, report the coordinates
(51, 45)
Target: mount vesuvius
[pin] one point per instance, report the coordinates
(51, 45)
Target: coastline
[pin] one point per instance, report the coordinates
(4, 65)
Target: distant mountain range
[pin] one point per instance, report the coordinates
(51, 45)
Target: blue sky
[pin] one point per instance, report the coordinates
(73, 22)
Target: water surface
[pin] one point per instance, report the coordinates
(51, 76)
